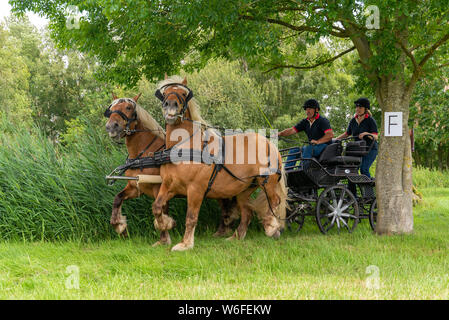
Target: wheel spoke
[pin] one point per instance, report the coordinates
(331, 225)
(348, 215)
(342, 198)
(331, 207)
(347, 205)
(331, 214)
(334, 197)
(343, 194)
(346, 225)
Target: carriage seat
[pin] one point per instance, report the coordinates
(331, 155)
(356, 148)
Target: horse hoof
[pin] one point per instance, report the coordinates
(221, 233)
(181, 247)
(156, 244)
(231, 238)
(121, 228)
(124, 234)
(161, 243)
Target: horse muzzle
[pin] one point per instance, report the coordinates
(171, 116)
(115, 131)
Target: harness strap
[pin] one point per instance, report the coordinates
(146, 148)
(214, 174)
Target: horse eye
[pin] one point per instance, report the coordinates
(128, 108)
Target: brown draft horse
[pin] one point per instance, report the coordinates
(143, 136)
(193, 178)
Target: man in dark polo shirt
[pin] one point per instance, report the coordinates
(317, 128)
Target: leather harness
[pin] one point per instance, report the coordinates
(161, 157)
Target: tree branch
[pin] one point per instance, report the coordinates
(440, 66)
(409, 54)
(311, 66)
(433, 49)
(293, 27)
(417, 73)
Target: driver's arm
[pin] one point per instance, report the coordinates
(287, 132)
(343, 135)
(328, 135)
(367, 133)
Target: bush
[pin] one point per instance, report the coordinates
(430, 178)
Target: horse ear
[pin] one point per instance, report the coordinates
(114, 97)
(165, 76)
(184, 82)
(137, 97)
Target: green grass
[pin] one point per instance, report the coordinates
(307, 265)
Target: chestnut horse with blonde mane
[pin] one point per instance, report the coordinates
(197, 180)
(144, 136)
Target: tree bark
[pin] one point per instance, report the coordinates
(394, 170)
(447, 160)
(440, 157)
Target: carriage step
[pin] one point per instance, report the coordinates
(360, 179)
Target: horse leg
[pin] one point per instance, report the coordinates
(194, 200)
(246, 214)
(165, 235)
(118, 221)
(164, 238)
(229, 213)
(162, 221)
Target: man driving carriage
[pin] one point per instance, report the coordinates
(318, 130)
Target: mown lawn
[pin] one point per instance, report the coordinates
(307, 265)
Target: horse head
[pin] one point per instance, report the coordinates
(175, 98)
(122, 116)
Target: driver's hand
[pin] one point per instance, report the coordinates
(313, 142)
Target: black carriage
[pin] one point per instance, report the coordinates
(320, 187)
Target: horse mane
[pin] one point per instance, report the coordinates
(144, 117)
(149, 123)
(193, 105)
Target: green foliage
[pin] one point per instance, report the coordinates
(48, 85)
(430, 120)
(135, 38)
(430, 178)
(14, 74)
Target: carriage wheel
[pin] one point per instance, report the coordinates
(373, 214)
(295, 217)
(337, 206)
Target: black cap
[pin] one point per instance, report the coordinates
(311, 103)
(362, 102)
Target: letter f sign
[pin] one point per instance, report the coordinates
(393, 124)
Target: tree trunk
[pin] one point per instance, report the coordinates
(447, 160)
(394, 164)
(440, 157)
